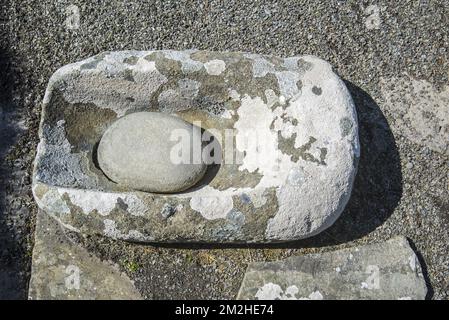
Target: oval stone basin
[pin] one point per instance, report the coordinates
(151, 151)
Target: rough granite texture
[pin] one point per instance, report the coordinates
(287, 128)
(387, 271)
(403, 188)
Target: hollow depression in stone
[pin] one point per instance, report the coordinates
(287, 147)
(153, 152)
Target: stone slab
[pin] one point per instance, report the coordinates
(419, 110)
(388, 270)
(62, 270)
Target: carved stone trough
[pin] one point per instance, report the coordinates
(292, 182)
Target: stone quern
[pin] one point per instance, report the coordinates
(136, 151)
(286, 171)
(387, 271)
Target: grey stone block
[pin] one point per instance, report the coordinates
(388, 270)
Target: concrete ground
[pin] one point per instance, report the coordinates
(394, 57)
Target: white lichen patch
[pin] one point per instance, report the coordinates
(227, 114)
(111, 230)
(213, 204)
(291, 292)
(269, 291)
(104, 203)
(88, 201)
(316, 295)
(51, 201)
(234, 95)
(273, 291)
(215, 67)
(287, 79)
(261, 66)
(259, 143)
(141, 69)
(188, 65)
(288, 83)
(291, 63)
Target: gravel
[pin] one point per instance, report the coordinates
(401, 188)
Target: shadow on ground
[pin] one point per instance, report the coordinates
(12, 283)
(378, 184)
(425, 272)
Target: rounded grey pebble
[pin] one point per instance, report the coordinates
(135, 152)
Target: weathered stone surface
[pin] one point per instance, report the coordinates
(388, 270)
(420, 111)
(287, 173)
(136, 152)
(62, 270)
